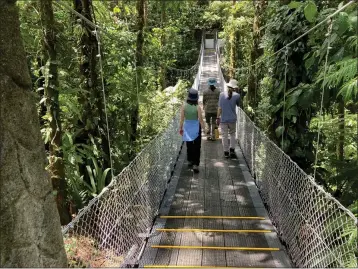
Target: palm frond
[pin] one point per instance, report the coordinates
(349, 90)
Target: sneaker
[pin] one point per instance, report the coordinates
(195, 169)
(233, 154)
(226, 154)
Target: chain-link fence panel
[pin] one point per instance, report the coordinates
(317, 229)
(110, 231)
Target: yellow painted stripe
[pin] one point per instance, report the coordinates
(214, 231)
(194, 266)
(216, 248)
(210, 217)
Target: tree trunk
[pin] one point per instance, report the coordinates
(163, 71)
(260, 6)
(30, 232)
(145, 3)
(232, 66)
(91, 98)
(134, 117)
(56, 166)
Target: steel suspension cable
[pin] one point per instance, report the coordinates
(104, 98)
(284, 98)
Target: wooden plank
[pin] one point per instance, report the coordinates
(212, 193)
(167, 256)
(235, 258)
(149, 253)
(195, 206)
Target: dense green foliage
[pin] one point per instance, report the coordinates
(293, 94)
(171, 38)
(290, 112)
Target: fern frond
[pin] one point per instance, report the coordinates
(339, 73)
(349, 90)
(352, 43)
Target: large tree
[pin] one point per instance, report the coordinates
(92, 123)
(56, 166)
(30, 232)
(134, 117)
(256, 52)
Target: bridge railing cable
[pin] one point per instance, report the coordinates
(193, 72)
(319, 232)
(317, 229)
(114, 225)
(221, 79)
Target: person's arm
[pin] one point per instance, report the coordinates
(200, 116)
(238, 100)
(181, 119)
(219, 106)
(218, 113)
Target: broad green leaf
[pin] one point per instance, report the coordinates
(309, 62)
(343, 23)
(93, 183)
(96, 169)
(291, 112)
(310, 11)
(102, 180)
(353, 22)
(69, 138)
(294, 5)
(279, 131)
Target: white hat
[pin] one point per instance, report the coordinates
(233, 84)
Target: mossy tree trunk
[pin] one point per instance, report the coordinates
(163, 70)
(134, 116)
(260, 6)
(56, 166)
(30, 232)
(90, 98)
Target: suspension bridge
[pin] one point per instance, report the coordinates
(259, 210)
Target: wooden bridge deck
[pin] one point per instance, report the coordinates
(223, 187)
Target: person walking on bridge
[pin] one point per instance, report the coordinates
(191, 123)
(210, 103)
(226, 117)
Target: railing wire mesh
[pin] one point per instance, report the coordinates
(110, 231)
(317, 229)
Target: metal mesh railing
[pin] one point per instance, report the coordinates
(317, 229)
(192, 73)
(110, 231)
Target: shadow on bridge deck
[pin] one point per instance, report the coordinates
(223, 187)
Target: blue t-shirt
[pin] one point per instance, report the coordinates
(228, 107)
